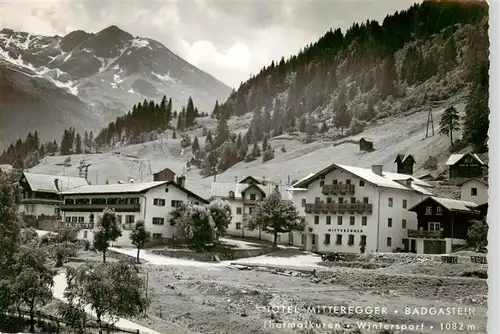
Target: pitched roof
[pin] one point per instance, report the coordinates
(128, 188)
(222, 189)
(256, 178)
(483, 181)
(403, 157)
(47, 183)
(454, 158)
(450, 204)
(387, 180)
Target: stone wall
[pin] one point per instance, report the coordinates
(230, 254)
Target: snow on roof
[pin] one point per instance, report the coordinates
(46, 182)
(454, 158)
(455, 205)
(398, 177)
(485, 182)
(303, 179)
(114, 188)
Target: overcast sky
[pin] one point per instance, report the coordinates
(228, 39)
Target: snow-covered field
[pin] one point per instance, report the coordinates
(393, 135)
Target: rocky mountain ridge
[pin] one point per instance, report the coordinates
(109, 71)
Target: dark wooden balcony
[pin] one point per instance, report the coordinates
(425, 234)
(100, 207)
(251, 202)
(332, 208)
(34, 200)
(335, 189)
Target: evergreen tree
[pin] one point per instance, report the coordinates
(256, 150)
(195, 145)
(78, 144)
(342, 116)
(190, 113)
(450, 122)
(264, 142)
(222, 133)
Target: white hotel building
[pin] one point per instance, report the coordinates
(151, 202)
(347, 206)
(243, 197)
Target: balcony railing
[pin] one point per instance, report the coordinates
(340, 188)
(82, 226)
(338, 208)
(43, 217)
(34, 200)
(425, 234)
(100, 207)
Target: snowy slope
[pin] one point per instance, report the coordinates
(391, 136)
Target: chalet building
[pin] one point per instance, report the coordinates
(405, 163)
(442, 225)
(467, 165)
(474, 190)
(243, 197)
(366, 144)
(164, 175)
(41, 197)
(353, 210)
(151, 202)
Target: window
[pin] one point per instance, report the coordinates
(328, 220)
(361, 183)
(348, 181)
(335, 181)
(390, 202)
(317, 199)
(129, 219)
(166, 189)
(231, 194)
(339, 220)
(362, 242)
(341, 200)
(238, 210)
(303, 202)
(81, 219)
(352, 220)
(365, 200)
(91, 218)
(175, 204)
(327, 239)
(316, 220)
(85, 234)
(353, 200)
(428, 210)
(350, 242)
(158, 221)
(364, 221)
(389, 242)
(328, 200)
(434, 226)
(406, 244)
(389, 222)
(405, 204)
(403, 223)
(74, 219)
(119, 219)
(68, 219)
(238, 226)
(321, 183)
(439, 210)
(156, 236)
(338, 241)
(473, 191)
(158, 202)
(250, 210)
(253, 197)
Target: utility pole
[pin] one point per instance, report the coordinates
(430, 122)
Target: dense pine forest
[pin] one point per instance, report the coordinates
(339, 84)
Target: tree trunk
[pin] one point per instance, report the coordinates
(32, 321)
(451, 138)
(104, 256)
(98, 316)
(138, 250)
(275, 242)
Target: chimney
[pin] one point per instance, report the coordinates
(408, 182)
(56, 183)
(377, 169)
(181, 180)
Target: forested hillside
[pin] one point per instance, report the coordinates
(413, 59)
